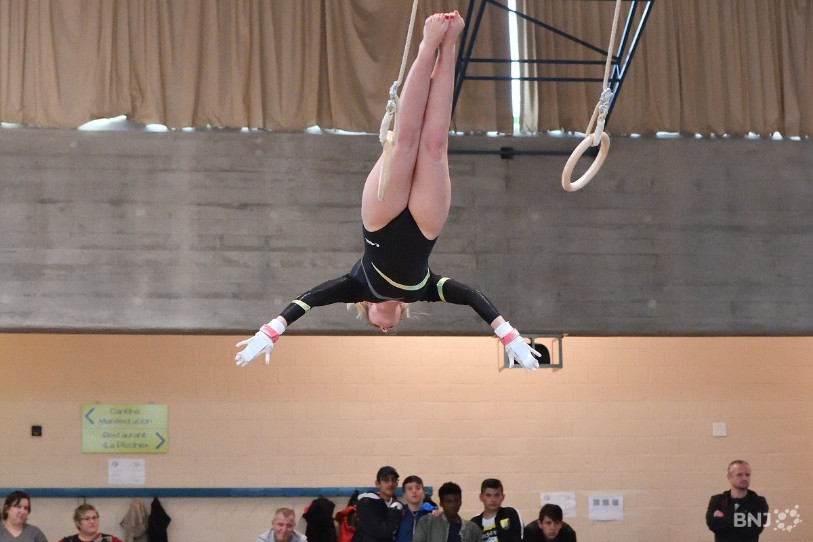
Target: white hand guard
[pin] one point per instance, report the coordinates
(517, 350)
(262, 342)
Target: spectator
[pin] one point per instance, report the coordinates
(417, 506)
(448, 526)
(738, 514)
(15, 527)
(498, 523)
(282, 528)
(549, 527)
(379, 514)
(86, 518)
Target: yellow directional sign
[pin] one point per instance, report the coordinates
(124, 429)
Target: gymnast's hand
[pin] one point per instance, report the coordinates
(517, 350)
(520, 351)
(261, 343)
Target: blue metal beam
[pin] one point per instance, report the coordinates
(80, 492)
(636, 19)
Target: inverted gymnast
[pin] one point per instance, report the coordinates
(400, 231)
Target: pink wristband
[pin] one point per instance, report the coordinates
(508, 337)
(270, 333)
(273, 330)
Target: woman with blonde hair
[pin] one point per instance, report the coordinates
(86, 518)
(400, 230)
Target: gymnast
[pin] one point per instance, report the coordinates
(400, 230)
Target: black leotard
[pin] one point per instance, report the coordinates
(395, 264)
(394, 267)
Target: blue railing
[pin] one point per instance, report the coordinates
(47, 492)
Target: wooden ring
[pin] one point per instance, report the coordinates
(603, 149)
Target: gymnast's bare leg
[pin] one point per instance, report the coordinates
(419, 168)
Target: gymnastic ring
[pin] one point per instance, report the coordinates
(603, 149)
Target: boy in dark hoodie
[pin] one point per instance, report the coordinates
(379, 514)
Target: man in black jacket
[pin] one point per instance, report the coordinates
(378, 514)
(739, 514)
(498, 523)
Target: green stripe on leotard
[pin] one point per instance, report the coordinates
(418, 286)
(440, 288)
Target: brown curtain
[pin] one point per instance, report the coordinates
(703, 66)
(365, 42)
(485, 106)
(180, 63)
(561, 105)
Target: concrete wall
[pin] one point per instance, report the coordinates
(217, 231)
(628, 416)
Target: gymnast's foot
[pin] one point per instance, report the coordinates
(435, 29)
(456, 25)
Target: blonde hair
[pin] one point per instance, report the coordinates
(81, 509)
(737, 462)
(362, 314)
(284, 512)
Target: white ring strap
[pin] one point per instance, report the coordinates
(599, 137)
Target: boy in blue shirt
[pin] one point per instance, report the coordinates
(417, 506)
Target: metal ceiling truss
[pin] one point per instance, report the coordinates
(637, 14)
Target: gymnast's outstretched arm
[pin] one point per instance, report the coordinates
(452, 291)
(338, 290)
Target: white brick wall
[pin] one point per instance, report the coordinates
(627, 415)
